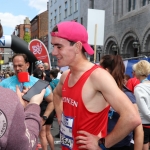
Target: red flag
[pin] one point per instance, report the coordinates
(39, 50)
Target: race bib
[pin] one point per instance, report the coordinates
(66, 131)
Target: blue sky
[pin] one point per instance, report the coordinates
(13, 12)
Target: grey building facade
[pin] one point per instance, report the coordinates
(127, 23)
(127, 27)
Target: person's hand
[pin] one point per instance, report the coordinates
(44, 74)
(43, 122)
(23, 102)
(38, 98)
(87, 141)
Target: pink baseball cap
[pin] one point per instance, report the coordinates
(73, 31)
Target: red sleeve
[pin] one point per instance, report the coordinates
(129, 85)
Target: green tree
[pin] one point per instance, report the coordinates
(27, 37)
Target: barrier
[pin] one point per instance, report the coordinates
(18, 46)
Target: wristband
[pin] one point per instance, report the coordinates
(101, 143)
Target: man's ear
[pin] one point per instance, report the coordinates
(28, 65)
(78, 46)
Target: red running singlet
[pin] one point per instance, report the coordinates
(76, 117)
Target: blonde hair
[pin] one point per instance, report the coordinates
(142, 68)
(46, 66)
(133, 67)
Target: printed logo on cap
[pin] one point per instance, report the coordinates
(3, 123)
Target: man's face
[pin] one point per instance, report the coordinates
(20, 65)
(63, 51)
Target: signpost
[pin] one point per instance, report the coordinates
(39, 50)
(95, 28)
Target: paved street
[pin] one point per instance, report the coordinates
(55, 131)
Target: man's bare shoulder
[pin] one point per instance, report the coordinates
(100, 78)
(99, 73)
(64, 75)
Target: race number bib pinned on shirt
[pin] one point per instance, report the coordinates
(66, 131)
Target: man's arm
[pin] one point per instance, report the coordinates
(129, 117)
(57, 97)
(50, 106)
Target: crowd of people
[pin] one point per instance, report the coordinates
(6, 74)
(98, 107)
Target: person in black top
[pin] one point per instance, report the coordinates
(39, 64)
(45, 134)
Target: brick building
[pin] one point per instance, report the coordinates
(39, 27)
(22, 28)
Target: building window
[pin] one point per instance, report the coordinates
(59, 13)
(76, 5)
(26, 29)
(91, 4)
(131, 5)
(66, 6)
(55, 20)
(76, 20)
(51, 23)
(144, 2)
(55, 12)
(70, 7)
(51, 3)
(134, 4)
(81, 20)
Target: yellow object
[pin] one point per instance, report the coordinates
(1, 62)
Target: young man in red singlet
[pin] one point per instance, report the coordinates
(84, 93)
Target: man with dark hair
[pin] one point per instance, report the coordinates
(21, 64)
(84, 93)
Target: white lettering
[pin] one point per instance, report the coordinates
(2, 42)
(37, 49)
(70, 101)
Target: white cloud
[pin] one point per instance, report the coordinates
(10, 21)
(40, 5)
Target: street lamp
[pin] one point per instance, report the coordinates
(115, 48)
(136, 46)
(99, 51)
(136, 43)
